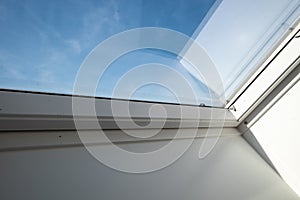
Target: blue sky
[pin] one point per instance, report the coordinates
(43, 43)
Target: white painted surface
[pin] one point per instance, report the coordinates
(27, 140)
(268, 79)
(278, 132)
(233, 171)
(32, 111)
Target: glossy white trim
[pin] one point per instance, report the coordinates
(282, 61)
(37, 111)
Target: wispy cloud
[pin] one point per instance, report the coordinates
(12, 73)
(45, 75)
(74, 45)
(40, 25)
(100, 23)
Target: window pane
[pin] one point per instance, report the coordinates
(43, 43)
(240, 34)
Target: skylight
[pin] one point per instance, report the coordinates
(43, 44)
(241, 34)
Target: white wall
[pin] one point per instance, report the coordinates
(278, 132)
(232, 171)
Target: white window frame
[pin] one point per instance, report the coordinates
(23, 110)
(268, 76)
(39, 111)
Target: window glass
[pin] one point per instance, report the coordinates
(43, 43)
(240, 34)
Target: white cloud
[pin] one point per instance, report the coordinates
(13, 73)
(100, 23)
(75, 46)
(45, 76)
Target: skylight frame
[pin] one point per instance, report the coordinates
(45, 111)
(259, 85)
